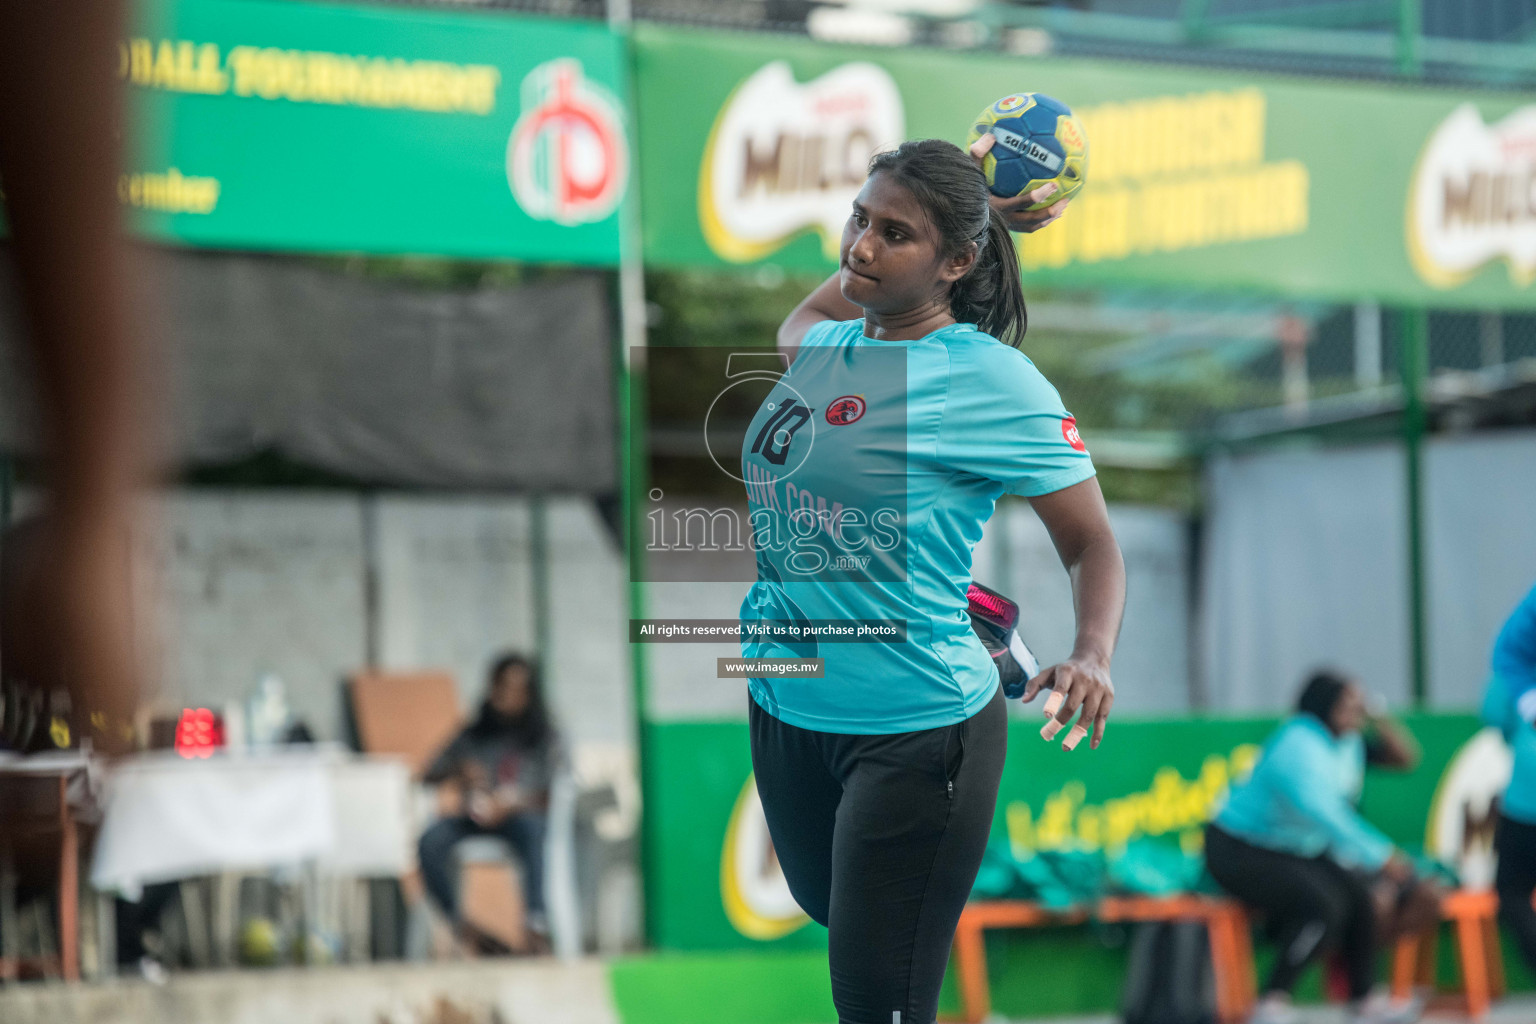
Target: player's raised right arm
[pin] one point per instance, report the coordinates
(825, 303)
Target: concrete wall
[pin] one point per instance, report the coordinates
(253, 582)
(1306, 563)
(265, 581)
(1152, 662)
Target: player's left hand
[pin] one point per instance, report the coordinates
(1075, 684)
(1016, 212)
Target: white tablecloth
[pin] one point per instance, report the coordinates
(169, 817)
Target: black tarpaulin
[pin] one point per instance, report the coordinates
(382, 382)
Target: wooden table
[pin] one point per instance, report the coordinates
(36, 812)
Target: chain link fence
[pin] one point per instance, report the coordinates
(1154, 377)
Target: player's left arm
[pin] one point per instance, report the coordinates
(1016, 212)
(825, 303)
(1078, 523)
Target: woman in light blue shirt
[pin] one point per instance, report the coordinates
(871, 468)
(1510, 706)
(1290, 843)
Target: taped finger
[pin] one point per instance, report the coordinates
(1053, 705)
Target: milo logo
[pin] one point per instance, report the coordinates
(1473, 198)
(786, 157)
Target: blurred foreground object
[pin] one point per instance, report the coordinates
(66, 611)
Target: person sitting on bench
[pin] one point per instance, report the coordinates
(1291, 844)
(504, 762)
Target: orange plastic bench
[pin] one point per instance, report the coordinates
(1231, 946)
(970, 952)
(1231, 941)
(1474, 915)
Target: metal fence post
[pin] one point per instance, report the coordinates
(629, 365)
(1409, 22)
(1413, 338)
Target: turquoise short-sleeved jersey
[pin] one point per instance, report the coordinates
(871, 468)
(1300, 797)
(1502, 711)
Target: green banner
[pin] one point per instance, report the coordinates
(717, 884)
(752, 146)
(295, 126)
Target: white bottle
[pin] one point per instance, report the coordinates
(268, 718)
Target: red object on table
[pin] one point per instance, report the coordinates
(199, 732)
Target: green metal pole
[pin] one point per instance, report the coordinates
(636, 477)
(1413, 339)
(1193, 15)
(629, 378)
(1408, 29)
(538, 550)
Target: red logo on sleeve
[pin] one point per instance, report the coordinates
(1069, 431)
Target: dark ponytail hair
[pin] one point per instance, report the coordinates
(953, 192)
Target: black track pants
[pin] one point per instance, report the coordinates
(880, 838)
(1515, 843)
(1313, 905)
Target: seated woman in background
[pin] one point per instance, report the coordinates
(1291, 844)
(504, 762)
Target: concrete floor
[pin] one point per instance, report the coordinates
(541, 991)
(1515, 1010)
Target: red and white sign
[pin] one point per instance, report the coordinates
(567, 158)
(1069, 431)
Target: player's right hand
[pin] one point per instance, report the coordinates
(1076, 684)
(1016, 212)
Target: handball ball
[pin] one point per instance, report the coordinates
(1038, 142)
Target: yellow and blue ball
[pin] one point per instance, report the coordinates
(1038, 142)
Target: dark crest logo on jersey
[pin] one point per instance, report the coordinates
(845, 410)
